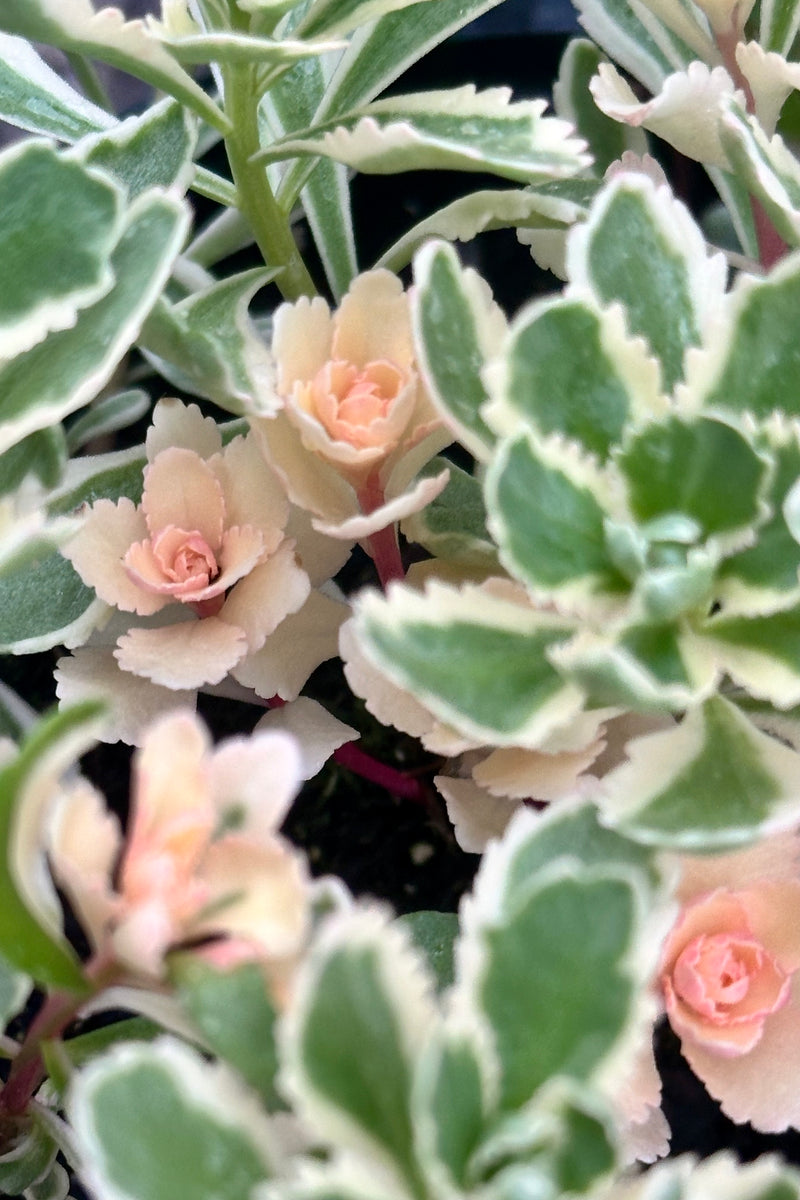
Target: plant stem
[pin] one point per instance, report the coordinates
(397, 782)
(382, 546)
(269, 223)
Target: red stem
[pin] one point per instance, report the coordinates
(382, 546)
(397, 782)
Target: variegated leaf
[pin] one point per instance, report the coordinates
(457, 328)
(641, 248)
(649, 667)
(154, 1121)
(453, 525)
(459, 130)
(639, 44)
(713, 781)
(547, 512)
(537, 207)
(750, 364)
(207, 344)
(65, 371)
(334, 18)
(569, 369)
(779, 21)
(762, 653)
(240, 49)
(768, 167)
(33, 97)
(59, 223)
(607, 139)
(75, 26)
(477, 661)
(151, 150)
(362, 1010)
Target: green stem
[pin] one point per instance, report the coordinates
(270, 225)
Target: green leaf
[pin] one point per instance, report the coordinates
(58, 227)
(646, 50)
(666, 285)
(767, 167)
(117, 411)
(34, 98)
(207, 344)
(762, 653)
(779, 21)
(547, 511)
(557, 1001)
(238, 49)
(456, 130)
(451, 1104)
(329, 18)
(232, 1010)
(453, 525)
(478, 662)
(65, 371)
(74, 26)
(30, 937)
(534, 208)
(154, 1122)
(153, 150)
(456, 328)
(14, 988)
(607, 139)
(42, 454)
(434, 933)
(712, 782)
(567, 369)
(702, 468)
(753, 368)
(29, 1159)
(360, 1012)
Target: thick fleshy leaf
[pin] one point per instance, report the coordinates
(669, 467)
(452, 1102)
(362, 1009)
(647, 54)
(538, 208)
(241, 49)
(27, 943)
(547, 511)
(768, 1178)
(456, 328)
(667, 286)
(117, 411)
(761, 652)
(764, 576)
(34, 98)
(558, 1002)
(768, 167)
(779, 21)
(453, 525)
(751, 365)
(208, 345)
(607, 139)
(329, 18)
(457, 130)
(713, 781)
(247, 1042)
(434, 933)
(153, 150)
(154, 1121)
(571, 370)
(478, 662)
(652, 667)
(74, 26)
(59, 224)
(42, 454)
(289, 105)
(65, 371)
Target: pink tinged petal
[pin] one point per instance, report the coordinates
(773, 911)
(254, 494)
(258, 778)
(301, 340)
(257, 892)
(133, 702)
(143, 937)
(171, 773)
(317, 733)
(774, 858)
(358, 528)
(181, 489)
(360, 407)
(83, 841)
(309, 482)
(477, 816)
(520, 774)
(760, 1086)
(352, 460)
(300, 643)
(175, 563)
(373, 321)
(178, 424)
(98, 551)
(188, 655)
(260, 601)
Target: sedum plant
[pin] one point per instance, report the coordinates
(557, 548)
